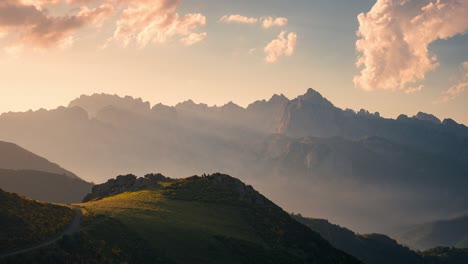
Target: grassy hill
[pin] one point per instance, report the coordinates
(449, 233)
(27, 222)
(216, 219)
(44, 186)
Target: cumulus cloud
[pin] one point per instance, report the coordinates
(146, 21)
(394, 37)
(454, 91)
(238, 19)
(27, 24)
(281, 46)
(269, 22)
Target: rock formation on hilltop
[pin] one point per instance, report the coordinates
(125, 183)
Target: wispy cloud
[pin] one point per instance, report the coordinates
(281, 46)
(454, 91)
(238, 19)
(193, 38)
(394, 37)
(266, 22)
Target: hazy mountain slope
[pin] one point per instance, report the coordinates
(449, 233)
(44, 186)
(370, 249)
(26, 222)
(216, 219)
(14, 157)
(353, 181)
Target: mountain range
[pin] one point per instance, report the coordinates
(306, 154)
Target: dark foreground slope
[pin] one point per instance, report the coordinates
(216, 219)
(380, 249)
(25, 222)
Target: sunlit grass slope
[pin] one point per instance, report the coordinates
(25, 222)
(216, 219)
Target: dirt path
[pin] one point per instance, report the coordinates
(72, 228)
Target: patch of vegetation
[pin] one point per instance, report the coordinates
(26, 222)
(102, 240)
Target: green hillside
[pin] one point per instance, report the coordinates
(27, 222)
(216, 219)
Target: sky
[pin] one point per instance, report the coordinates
(388, 56)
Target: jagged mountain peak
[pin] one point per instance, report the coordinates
(96, 102)
(427, 117)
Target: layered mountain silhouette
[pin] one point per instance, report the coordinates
(15, 157)
(450, 233)
(306, 154)
(377, 248)
(28, 174)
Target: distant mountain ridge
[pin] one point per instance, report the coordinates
(292, 150)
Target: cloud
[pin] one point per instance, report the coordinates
(238, 19)
(394, 37)
(269, 22)
(144, 22)
(25, 23)
(281, 46)
(33, 22)
(193, 38)
(454, 91)
(415, 89)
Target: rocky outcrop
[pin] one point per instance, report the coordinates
(125, 183)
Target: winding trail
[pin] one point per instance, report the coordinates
(73, 227)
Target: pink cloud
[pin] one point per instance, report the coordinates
(238, 19)
(281, 46)
(394, 37)
(193, 38)
(412, 90)
(26, 24)
(144, 22)
(269, 22)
